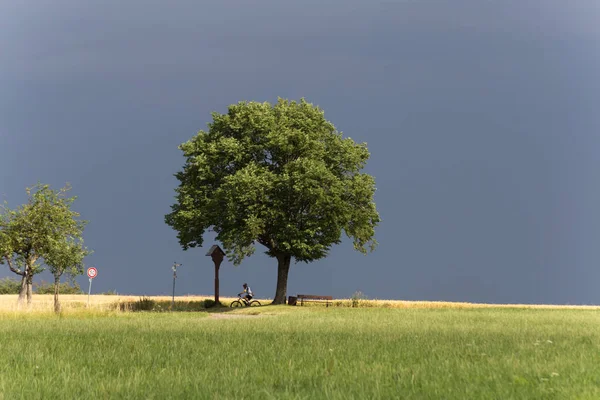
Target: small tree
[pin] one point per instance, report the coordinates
(20, 246)
(65, 257)
(43, 229)
(280, 175)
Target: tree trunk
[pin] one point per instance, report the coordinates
(29, 287)
(56, 289)
(23, 291)
(283, 268)
(26, 282)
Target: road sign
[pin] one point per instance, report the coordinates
(92, 272)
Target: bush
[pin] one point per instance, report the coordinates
(357, 298)
(143, 304)
(110, 293)
(187, 306)
(123, 305)
(9, 286)
(63, 288)
(148, 304)
(208, 303)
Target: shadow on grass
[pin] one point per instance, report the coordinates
(147, 304)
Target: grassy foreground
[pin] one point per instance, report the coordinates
(281, 352)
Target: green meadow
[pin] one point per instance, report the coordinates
(282, 352)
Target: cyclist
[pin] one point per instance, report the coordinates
(248, 292)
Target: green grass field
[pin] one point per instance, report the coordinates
(302, 353)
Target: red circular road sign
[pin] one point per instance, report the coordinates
(92, 272)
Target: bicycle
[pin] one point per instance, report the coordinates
(242, 302)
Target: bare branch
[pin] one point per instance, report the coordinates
(13, 269)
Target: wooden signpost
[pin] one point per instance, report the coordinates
(217, 255)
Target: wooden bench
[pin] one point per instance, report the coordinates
(312, 297)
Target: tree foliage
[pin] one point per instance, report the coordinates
(279, 175)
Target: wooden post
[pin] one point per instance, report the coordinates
(217, 262)
(217, 255)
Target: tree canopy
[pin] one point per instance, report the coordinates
(280, 175)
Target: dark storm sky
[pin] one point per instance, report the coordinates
(481, 117)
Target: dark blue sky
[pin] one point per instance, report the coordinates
(481, 117)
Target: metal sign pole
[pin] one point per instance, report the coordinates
(173, 299)
(91, 273)
(89, 292)
(174, 268)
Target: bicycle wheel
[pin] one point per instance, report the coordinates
(255, 303)
(236, 303)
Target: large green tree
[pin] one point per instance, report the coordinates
(280, 175)
(45, 230)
